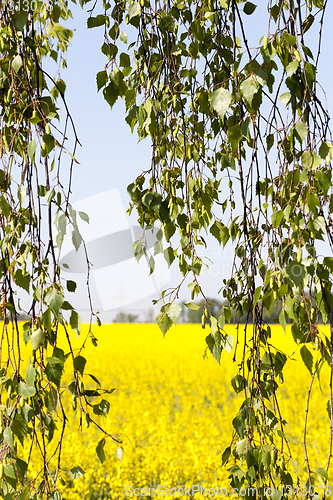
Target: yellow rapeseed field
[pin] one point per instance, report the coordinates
(173, 411)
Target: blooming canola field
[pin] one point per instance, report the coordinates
(172, 410)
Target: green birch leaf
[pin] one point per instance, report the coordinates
(111, 94)
(79, 364)
(268, 300)
(49, 195)
(100, 451)
(307, 51)
(215, 230)
(234, 136)
(139, 250)
(94, 22)
(282, 320)
(22, 466)
(169, 230)
(30, 375)
(301, 131)
(61, 85)
(303, 178)
(296, 272)
(307, 358)
(37, 339)
(291, 39)
(8, 437)
(221, 321)
(164, 322)
(213, 324)
(225, 235)
(46, 319)
(71, 285)
(328, 262)
(76, 239)
(292, 67)
(20, 19)
(249, 88)
(124, 60)
(220, 232)
(220, 100)
(75, 322)
(55, 495)
(193, 306)
(54, 372)
(215, 349)
(53, 360)
(76, 472)
(266, 459)
(311, 160)
(52, 399)
(320, 224)
(227, 343)
(240, 446)
(257, 294)
(326, 152)
(48, 144)
(3, 78)
(312, 201)
(94, 379)
(54, 300)
(281, 434)
(310, 72)
(17, 63)
(151, 265)
(289, 307)
(123, 37)
(102, 408)
(173, 311)
(322, 472)
(22, 279)
(169, 256)
(324, 180)
(31, 149)
(25, 391)
(239, 426)
(225, 455)
(285, 98)
(277, 494)
(134, 12)
(101, 79)
(249, 8)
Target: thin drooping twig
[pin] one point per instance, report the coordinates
(305, 427)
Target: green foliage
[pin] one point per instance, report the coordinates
(32, 197)
(100, 451)
(224, 119)
(211, 108)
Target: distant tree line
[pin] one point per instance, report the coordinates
(194, 316)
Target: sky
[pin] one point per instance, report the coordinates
(111, 157)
